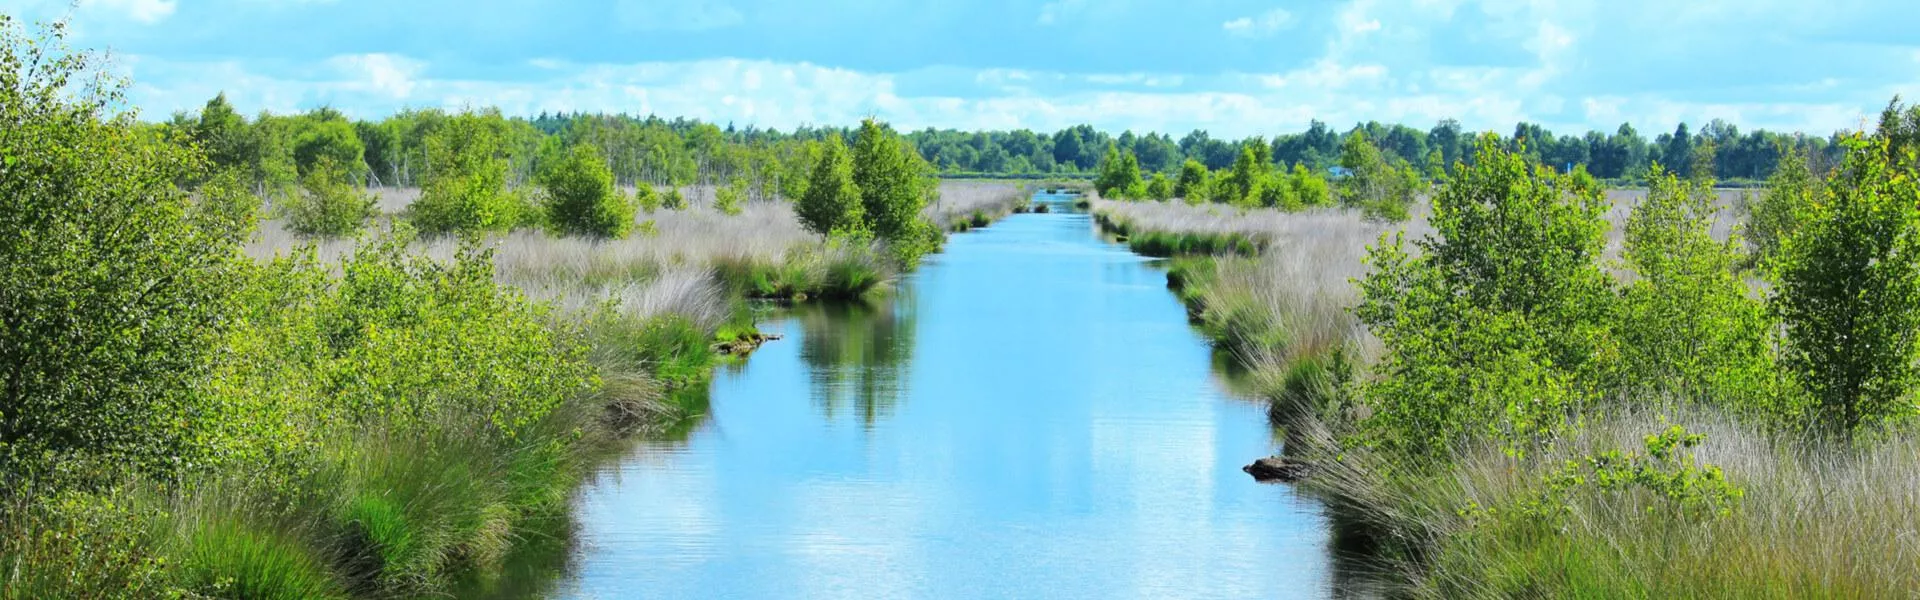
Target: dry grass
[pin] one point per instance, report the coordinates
(1812, 523)
(960, 199)
(1809, 524)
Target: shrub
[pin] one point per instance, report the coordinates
(1847, 289)
(728, 198)
(832, 202)
(895, 188)
(328, 204)
(1192, 181)
(1775, 217)
(646, 198)
(1499, 324)
(581, 199)
(672, 200)
(112, 293)
(1160, 187)
(466, 188)
(1119, 175)
(1688, 326)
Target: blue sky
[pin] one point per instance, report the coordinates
(1234, 67)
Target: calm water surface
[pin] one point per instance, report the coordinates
(1030, 416)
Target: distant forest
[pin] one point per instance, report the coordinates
(276, 149)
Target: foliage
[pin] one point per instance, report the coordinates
(1772, 219)
(111, 296)
(465, 190)
(1499, 324)
(1847, 289)
(672, 200)
(1688, 326)
(832, 202)
(1381, 188)
(330, 139)
(894, 188)
(728, 198)
(328, 203)
(646, 198)
(1160, 188)
(581, 199)
(1193, 179)
(1119, 176)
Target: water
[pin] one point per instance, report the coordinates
(1031, 416)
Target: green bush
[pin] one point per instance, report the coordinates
(895, 186)
(1775, 216)
(328, 204)
(832, 202)
(729, 198)
(1499, 324)
(466, 188)
(1847, 288)
(580, 198)
(112, 290)
(1689, 328)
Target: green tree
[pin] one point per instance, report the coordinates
(730, 198)
(1193, 178)
(831, 204)
(328, 203)
(1249, 172)
(1119, 176)
(1775, 217)
(112, 292)
(1382, 189)
(1498, 324)
(1310, 188)
(1847, 289)
(331, 138)
(223, 135)
(1688, 326)
(581, 199)
(1160, 187)
(466, 186)
(895, 186)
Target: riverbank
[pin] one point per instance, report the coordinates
(1644, 495)
(392, 416)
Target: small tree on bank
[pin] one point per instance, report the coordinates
(895, 186)
(831, 203)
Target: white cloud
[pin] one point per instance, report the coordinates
(1266, 24)
(677, 15)
(384, 74)
(144, 11)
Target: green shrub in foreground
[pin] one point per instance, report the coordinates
(112, 287)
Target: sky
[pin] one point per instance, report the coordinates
(1232, 67)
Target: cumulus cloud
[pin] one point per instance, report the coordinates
(1263, 25)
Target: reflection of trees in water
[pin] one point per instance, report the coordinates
(857, 356)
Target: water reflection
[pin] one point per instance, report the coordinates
(857, 356)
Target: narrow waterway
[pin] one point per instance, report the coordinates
(1030, 416)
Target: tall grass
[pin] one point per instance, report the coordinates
(1811, 523)
(1814, 520)
(967, 204)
